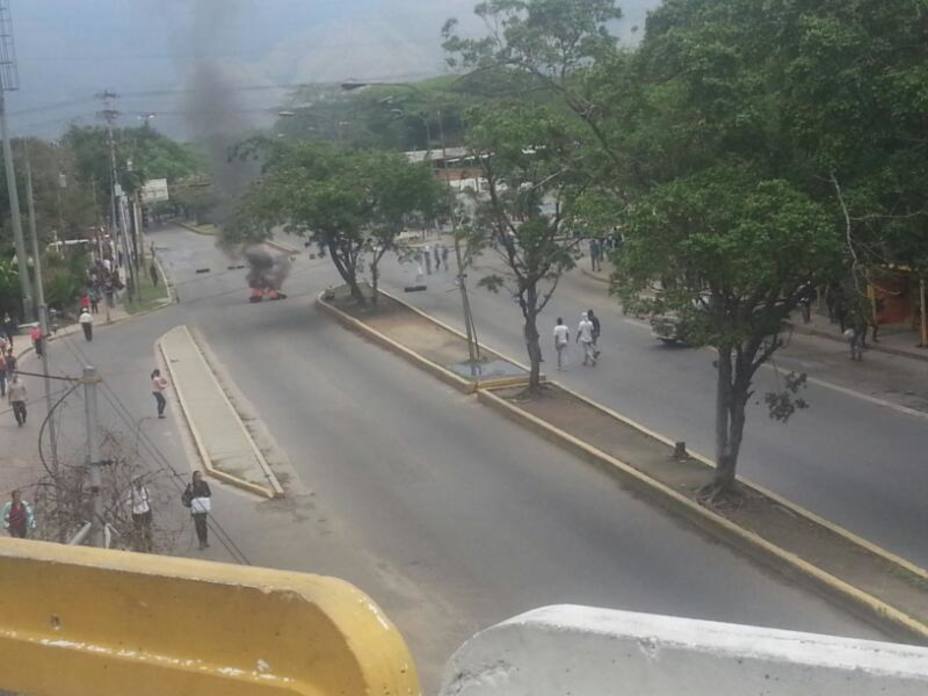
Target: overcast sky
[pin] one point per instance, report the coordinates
(68, 50)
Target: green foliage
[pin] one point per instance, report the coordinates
(65, 278)
(9, 288)
(349, 202)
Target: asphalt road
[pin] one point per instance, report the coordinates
(848, 459)
(451, 518)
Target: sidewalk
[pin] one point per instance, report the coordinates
(893, 340)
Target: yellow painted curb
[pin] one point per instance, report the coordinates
(274, 491)
(776, 497)
(444, 374)
(746, 540)
(453, 330)
(195, 229)
(286, 248)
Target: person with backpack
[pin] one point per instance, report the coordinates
(197, 497)
(561, 338)
(17, 516)
(595, 321)
(86, 322)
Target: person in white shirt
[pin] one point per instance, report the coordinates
(158, 385)
(561, 338)
(139, 502)
(86, 321)
(585, 338)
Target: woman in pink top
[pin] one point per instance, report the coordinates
(158, 385)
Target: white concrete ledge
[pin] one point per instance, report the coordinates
(585, 651)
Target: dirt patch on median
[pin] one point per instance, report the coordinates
(753, 511)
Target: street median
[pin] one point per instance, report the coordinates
(883, 588)
(226, 449)
(427, 343)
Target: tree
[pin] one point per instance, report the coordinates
(732, 255)
(721, 214)
(349, 202)
(529, 216)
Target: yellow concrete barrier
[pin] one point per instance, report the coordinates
(86, 621)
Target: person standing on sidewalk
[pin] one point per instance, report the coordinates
(94, 299)
(17, 395)
(427, 253)
(561, 338)
(585, 338)
(140, 505)
(86, 322)
(35, 333)
(197, 497)
(595, 252)
(158, 385)
(436, 252)
(17, 516)
(444, 257)
(2, 372)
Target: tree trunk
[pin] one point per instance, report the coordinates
(732, 394)
(534, 352)
(346, 269)
(375, 280)
(725, 463)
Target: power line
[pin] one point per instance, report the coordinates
(123, 413)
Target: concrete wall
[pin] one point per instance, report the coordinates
(586, 651)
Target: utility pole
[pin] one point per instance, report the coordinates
(9, 81)
(109, 115)
(42, 309)
(90, 380)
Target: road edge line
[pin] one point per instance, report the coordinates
(736, 535)
(205, 460)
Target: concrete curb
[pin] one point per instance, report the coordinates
(358, 326)
(749, 542)
(776, 497)
(194, 229)
(286, 248)
(803, 330)
(461, 334)
(275, 490)
(590, 274)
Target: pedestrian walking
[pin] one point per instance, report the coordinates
(436, 252)
(86, 322)
(444, 256)
(85, 301)
(35, 333)
(561, 339)
(17, 515)
(2, 372)
(595, 321)
(94, 299)
(139, 502)
(427, 252)
(153, 272)
(10, 361)
(854, 337)
(16, 394)
(197, 497)
(585, 339)
(158, 385)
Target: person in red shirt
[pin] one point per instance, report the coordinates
(35, 333)
(85, 301)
